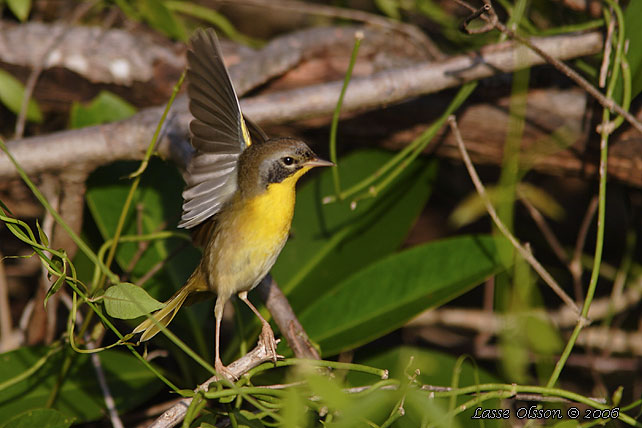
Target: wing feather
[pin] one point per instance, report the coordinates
(219, 132)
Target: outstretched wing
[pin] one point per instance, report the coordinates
(219, 132)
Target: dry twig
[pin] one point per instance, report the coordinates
(524, 252)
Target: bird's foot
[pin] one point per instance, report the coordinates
(223, 371)
(266, 338)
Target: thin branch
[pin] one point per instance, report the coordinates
(546, 230)
(7, 338)
(575, 266)
(487, 13)
(525, 253)
(104, 387)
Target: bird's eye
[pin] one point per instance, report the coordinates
(288, 160)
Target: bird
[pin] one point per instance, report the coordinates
(239, 196)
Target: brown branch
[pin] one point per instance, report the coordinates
(290, 327)
(175, 414)
(286, 319)
(98, 145)
(95, 53)
(397, 85)
(415, 35)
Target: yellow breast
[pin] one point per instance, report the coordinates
(250, 235)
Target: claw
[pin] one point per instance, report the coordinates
(222, 370)
(266, 338)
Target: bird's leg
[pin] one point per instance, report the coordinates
(218, 314)
(267, 335)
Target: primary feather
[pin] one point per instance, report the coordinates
(219, 132)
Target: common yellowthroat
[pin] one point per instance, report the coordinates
(240, 193)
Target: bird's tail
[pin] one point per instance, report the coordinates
(151, 326)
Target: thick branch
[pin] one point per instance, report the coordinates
(286, 319)
(127, 139)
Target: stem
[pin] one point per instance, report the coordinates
(601, 210)
(358, 36)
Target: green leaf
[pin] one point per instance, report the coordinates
(330, 242)
(11, 94)
(156, 14)
(389, 7)
(127, 9)
(106, 107)
(80, 396)
(385, 295)
(128, 301)
(54, 289)
(633, 32)
(41, 233)
(20, 8)
(214, 18)
(41, 418)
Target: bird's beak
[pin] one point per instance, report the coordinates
(318, 162)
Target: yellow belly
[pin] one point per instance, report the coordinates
(249, 236)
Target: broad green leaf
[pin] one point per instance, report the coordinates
(20, 8)
(633, 33)
(330, 242)
(129, 381)
(41, 418)
(11, 94)
(106, 107)
(158, 16)
(435, 368)
(383, 296)
(128, 301)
